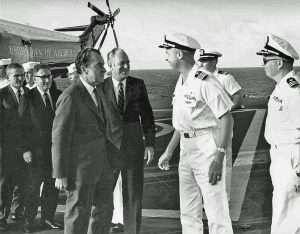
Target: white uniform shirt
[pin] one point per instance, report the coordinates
(283, 117)
(4, 83)
(30, 87)
(198, 103)
(227, 81)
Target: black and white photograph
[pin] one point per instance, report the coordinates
(149, 117)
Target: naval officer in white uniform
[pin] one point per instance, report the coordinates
(29, 77)
(201, 120)
(3, 77)
(208, 59)
(282, 130)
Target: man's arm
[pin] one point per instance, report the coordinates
(62, 135)
(236, 99)
(147, 121)
(163, 162)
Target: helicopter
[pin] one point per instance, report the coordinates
(24, 43)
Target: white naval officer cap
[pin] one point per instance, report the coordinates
(29, 65)
(71, 68)
(179, 41)
(5, 62)
(206, 54)
(277, 46)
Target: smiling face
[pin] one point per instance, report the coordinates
(120, 65)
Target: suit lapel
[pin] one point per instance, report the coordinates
(128, 91)
(13, 98)
(88, 99)
(111, 94)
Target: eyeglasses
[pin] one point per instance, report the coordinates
(44, 76)
(265, 61)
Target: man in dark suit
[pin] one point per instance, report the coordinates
(132, 133)
(41, 105)
(15, 150)
(79, 153)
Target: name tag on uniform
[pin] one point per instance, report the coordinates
(278, 102)
(190, 100)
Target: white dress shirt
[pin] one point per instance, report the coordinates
(116, 88)
(49, 96)
(90, 90)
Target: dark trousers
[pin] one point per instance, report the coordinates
(132, 187)
(13, 176)
(17, 204)
(48, 198)
(89, 206)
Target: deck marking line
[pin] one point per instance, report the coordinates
(240, 180)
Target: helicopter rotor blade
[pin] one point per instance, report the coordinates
(97, 10)
(116, 12)
(72, 29)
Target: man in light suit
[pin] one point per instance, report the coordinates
(79, 153)
(41, 105)
(15, 151)
(131, 122)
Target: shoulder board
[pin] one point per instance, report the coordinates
(292, 82)
(223, 72)
(201, 75)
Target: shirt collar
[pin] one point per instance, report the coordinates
(42, 92)
(30, 87)
(89, 87)
(16, 90)
(116, 83)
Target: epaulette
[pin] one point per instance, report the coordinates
(223, 72)
(201, 75)
(292, 82)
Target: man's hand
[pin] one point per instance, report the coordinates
(61, 183)
(149, 154)
(163, 162)
(27, 156)
(215, 169)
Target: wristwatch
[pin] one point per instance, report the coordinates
(222, 150)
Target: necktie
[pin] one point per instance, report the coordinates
(47, 102)
(19, 95)
(95, 94)
(121, 98)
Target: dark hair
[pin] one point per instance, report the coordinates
(14, 66)
(83, 58)
(40, 66)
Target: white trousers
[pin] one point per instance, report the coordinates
(196, 155)
(118, 202)
(286, 201)
(228, 175)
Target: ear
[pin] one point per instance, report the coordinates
(279, 63)
(179, 54)
(83, 69)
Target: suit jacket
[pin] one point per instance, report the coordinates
(14, 129)
(131, 131)
(41, 120)
(78, 136)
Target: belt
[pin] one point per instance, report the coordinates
(192, 134)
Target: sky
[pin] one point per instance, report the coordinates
(236, 28)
